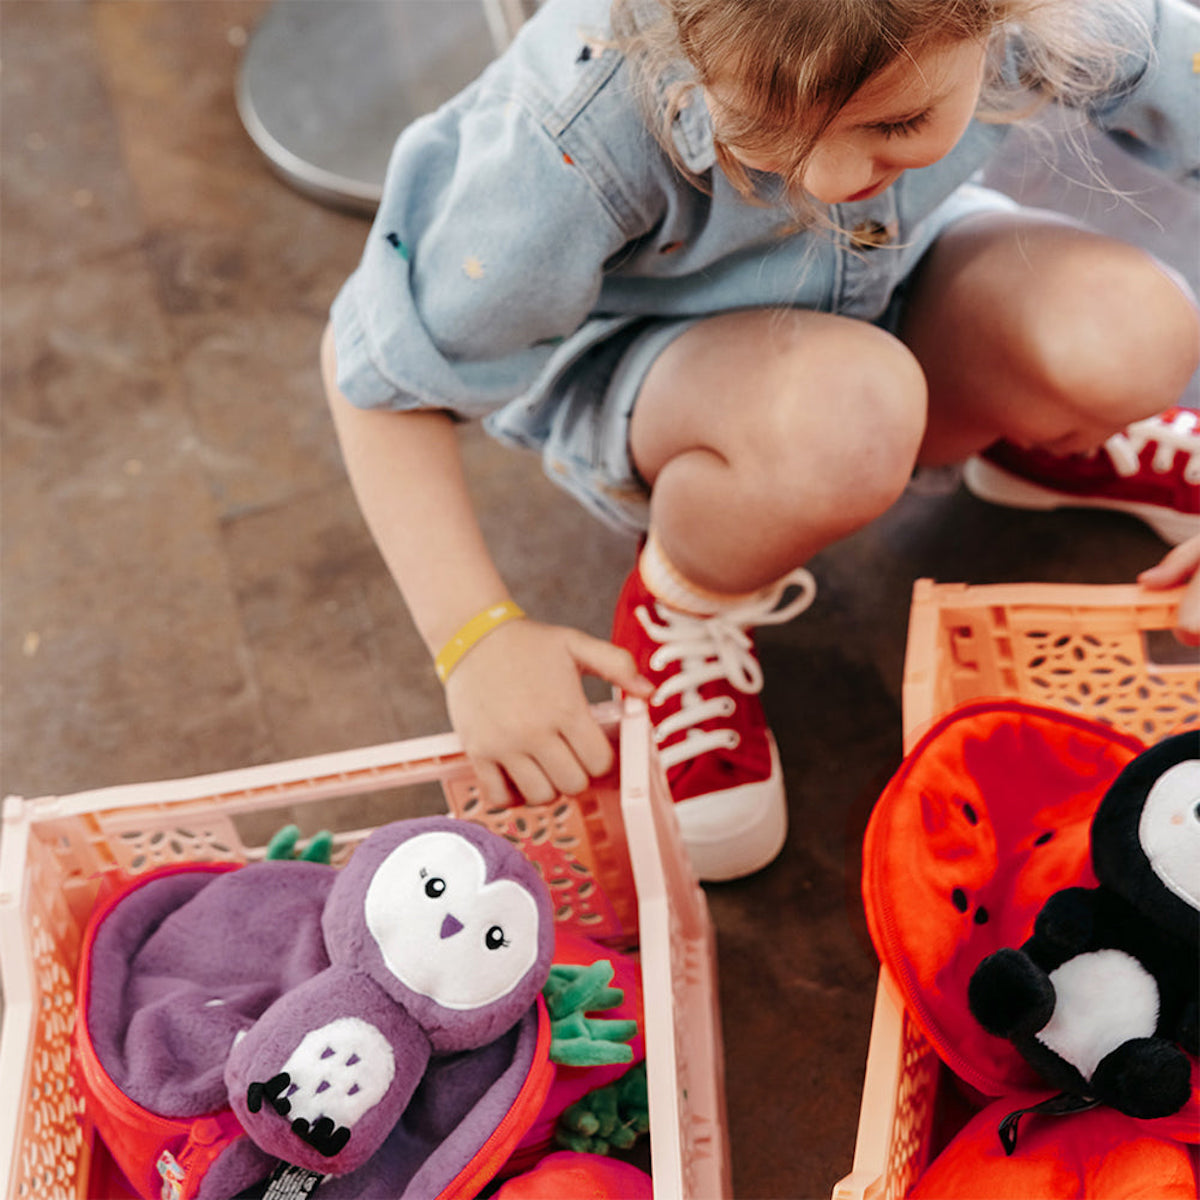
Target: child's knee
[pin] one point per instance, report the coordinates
(859, 455)
(1119, 336)
(891, 396)
(882, 394)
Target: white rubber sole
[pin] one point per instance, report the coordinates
(997, 486)
(736, 832)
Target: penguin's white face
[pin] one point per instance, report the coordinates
(444, 931)
(1169, 830)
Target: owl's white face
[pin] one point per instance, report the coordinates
(443, 931)
(1169, 829)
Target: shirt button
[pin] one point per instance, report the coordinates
(868, 234)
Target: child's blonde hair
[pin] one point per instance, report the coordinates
(797, 62)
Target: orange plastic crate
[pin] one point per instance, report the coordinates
(1103, 652)
(613, 860)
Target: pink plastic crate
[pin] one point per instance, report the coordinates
(613, 860)
(1102, 652)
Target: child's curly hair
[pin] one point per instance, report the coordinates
(797, 62)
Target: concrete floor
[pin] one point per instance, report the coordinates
(188, 586)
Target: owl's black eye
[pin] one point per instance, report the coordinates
(1196, 811)
(434, 887)
(494, 938)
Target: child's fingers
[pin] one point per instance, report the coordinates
(530, 779)
(1180, 565)
(496, 791)
(1187, 620)
(1177, 566)
(563, 769)
(589, 743)
(609, 662)
(555, 770)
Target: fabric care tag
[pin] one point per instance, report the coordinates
(289, 1182)
(286, 1182)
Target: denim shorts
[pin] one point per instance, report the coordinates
(579, 414)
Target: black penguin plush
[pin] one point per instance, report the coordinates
(1102, 999)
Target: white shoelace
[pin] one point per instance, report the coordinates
(711, 648)
(1181, 432)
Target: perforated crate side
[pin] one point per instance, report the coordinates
(895, 1126)
(684, 1053)
(145, 839)
(908, 1149)
(1082, 648)
(43, 1120)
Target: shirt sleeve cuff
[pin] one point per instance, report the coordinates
(358, 378)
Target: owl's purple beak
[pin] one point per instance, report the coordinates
(451, 925)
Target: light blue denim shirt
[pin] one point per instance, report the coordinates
(534, 215)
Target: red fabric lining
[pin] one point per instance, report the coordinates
(957, 861)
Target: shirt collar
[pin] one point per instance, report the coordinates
(691, 130)
(692, 135)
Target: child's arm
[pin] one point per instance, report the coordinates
(515, 697)
(1181, 565)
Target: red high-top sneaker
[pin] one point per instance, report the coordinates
(712, 737)
(1150, 469)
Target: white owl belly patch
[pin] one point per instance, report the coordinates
(329, 1081)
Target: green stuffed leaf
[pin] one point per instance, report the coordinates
(581, 988)
(577, 1040)
(282, 847)
(610, 1118)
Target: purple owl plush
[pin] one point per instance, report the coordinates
(440, 936)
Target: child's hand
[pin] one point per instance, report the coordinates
(1181, 565)
(517, 704)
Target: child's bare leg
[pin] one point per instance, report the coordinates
(764, 436)
(1031, 329)
(767, 435)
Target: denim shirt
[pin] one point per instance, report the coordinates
(535, 214)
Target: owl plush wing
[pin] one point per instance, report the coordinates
(323, 1076)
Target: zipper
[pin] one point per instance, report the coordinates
(498, 1147)
(208, 1138)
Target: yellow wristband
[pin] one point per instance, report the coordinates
(478, 627)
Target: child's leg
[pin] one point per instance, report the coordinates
(764, 436)
(1033, 330)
